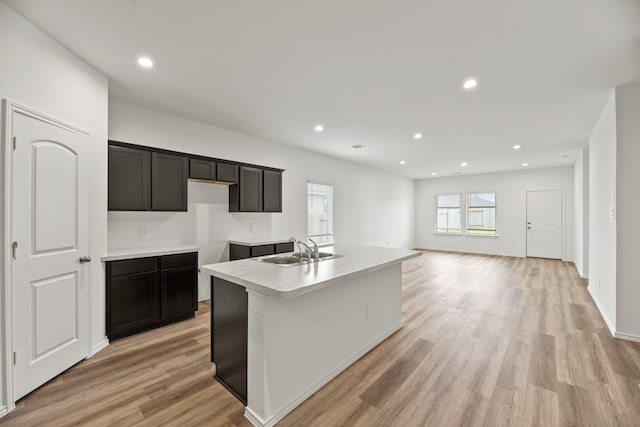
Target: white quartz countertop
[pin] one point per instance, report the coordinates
(257, 241)
(119, 254)
(270, 279)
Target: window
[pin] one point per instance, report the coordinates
(481, 214)
(448, 214)
(320, 212)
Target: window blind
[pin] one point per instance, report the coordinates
(320, 212)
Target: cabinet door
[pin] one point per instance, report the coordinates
(169, 175)
(129, 179)
(272, 191)
(179, 290)
(227, 172)
(202, 169)
(250, 189)
(132, 303)
(229, 325)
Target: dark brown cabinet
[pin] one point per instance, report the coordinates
(145, 293)
(229, 324)
(247, 195)
(237, 251)
(142, 180)
(179, 299)
(129, 179)
(152, 179)
(169, 174)
(272, 192)
(228, 172)
(202, 169)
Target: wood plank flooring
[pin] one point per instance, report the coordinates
(487, 341)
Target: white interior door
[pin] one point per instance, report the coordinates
(544, 224)
(50, 232)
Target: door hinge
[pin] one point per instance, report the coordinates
(15, 140)
(15, 358)
(14, 247)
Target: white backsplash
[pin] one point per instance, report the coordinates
(207, 224)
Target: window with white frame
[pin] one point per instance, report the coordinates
(481, 213)
(320, 212)
(448, 214)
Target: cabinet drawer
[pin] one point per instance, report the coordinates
(262, 250)
(178, 260)
(284, 247)
(132, 266)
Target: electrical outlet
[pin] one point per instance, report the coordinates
(252, 227)
(599, 282)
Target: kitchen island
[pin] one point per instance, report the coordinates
(280, 333)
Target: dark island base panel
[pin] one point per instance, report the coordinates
(117, 336)
(229, 323)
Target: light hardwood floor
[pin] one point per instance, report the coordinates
(487, 341)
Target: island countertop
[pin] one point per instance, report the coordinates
(270, 279)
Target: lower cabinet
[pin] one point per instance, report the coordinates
(229, 324)
(237, 251)
(145, 293)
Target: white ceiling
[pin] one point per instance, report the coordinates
(373, 72)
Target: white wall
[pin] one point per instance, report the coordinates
(581, 212)
(628, 207)
(602, 229)
(39, 73)
(510, 188)
(371, 207)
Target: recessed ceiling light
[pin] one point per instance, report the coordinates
(516, 147)
(417, 136)
(145, 62)
(357, 146)
(319, 128)
(464, 164)
(525, 164)
(470, 84)
(433, 173)
(402, 162)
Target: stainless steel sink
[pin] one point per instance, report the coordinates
(280, 259)
(293, 259)
(321, 255)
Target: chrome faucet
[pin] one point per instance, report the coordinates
(307, 250)
(316, 251)
(293, 239)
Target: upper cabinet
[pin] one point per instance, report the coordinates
(129, 179)
(169, 174)
(272, 193)
(144, 179)
(228, 172)
(202, 169)
(247, 195)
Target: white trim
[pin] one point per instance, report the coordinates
(99, 347)
(10, 108)
(608, 322)
(627, 337)
(3, 411)
(259, 422)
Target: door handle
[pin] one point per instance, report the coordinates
(84, 259)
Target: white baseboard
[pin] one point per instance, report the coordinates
(100, 346)
(259, 422)
(627, 337)
(609, 323)
(3, 411)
